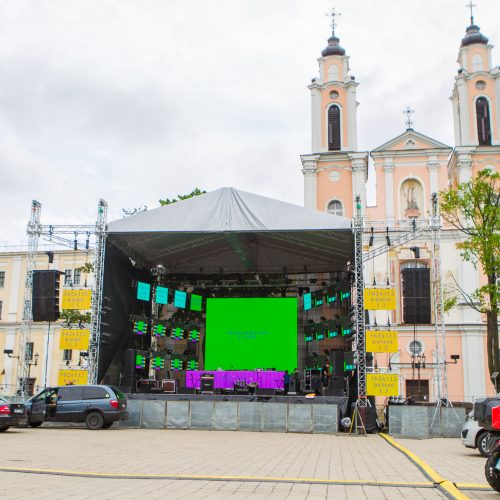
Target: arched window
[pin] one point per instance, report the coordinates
(334, 128)
(335, 208)
(483, 122)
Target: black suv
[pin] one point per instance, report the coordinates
(96, 405)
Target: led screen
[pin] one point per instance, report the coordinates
(245, 334)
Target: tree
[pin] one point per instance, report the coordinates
(180, 197)
(474, 209)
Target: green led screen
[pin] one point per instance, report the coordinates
(245, 334)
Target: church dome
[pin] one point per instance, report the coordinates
(473, 35)
(333, 48)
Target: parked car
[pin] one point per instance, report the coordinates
(96, 405)
(12, 414)
(475, 436)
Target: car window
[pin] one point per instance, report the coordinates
(119, 394)
(3, 400)
(95, 393)
(40, 397)
(70, 393)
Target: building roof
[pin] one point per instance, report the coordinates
(473, 35)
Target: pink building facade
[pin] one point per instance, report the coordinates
(409, 169)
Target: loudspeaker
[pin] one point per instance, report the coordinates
(265, 392)
(337, 386)
(337, 363)
(45, 299)
(207, 384)
(128, 378)
(293, 386)
(169, 386)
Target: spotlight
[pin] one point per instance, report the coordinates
(372, 237)
(416, 251)
(388, 240)
(50, 255)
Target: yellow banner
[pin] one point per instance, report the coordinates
(381, 341)
(380, 299)
(77, 299)
(382, 384)
(74, 339)
(72, 377)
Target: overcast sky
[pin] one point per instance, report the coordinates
(133, 101)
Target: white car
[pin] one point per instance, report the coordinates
(474, 436)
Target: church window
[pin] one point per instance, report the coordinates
(334, 128)
(334, 94)
(416, 294)
(335, 208)
(477, 62)
(333, 73)
(483, 122)
(480, 85)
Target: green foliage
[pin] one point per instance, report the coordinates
(126, 212)
(180, 197)
(474, 209)
(87, 268)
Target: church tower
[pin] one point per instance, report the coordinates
(335, 173)
(476, 107)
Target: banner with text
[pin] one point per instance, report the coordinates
(76, 299)
(380, 299)
(72, 377)
(74, 339)
(382, 384)
(381, 341)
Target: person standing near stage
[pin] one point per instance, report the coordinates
(286, 382)
(325, 375)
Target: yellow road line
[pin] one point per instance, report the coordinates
(259, 479)
(428, 471)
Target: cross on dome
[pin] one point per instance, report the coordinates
(409, 121)
(333, 14)
(471, 6)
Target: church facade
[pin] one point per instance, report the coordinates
(409, 169)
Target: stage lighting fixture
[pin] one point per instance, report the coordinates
(176, 364)
(177, 333)
(196, 302)
(416, 251)
(318, 298)
(320, 334)
(307, 301)
(332, 329)
(143, 291)
(180, 298)
(372, 238)
(310, 322)
(140, 361)
(331, 295)
(157, 362)
(141, 327)
(308, 335)
(50, 255)
(161, 295)
(313, 281)
(160, 330)
(349, 362)
(192, 364)
(387, 238)
(345, 295)
(322, 318)
(194, 336)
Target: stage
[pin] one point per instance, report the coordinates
(237, 413)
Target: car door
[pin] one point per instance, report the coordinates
(69, 403)
(36, 407)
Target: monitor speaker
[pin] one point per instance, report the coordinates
(186, 390)
(265, 392)
(45, 299)
(207, 385)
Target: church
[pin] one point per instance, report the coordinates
(409, 170)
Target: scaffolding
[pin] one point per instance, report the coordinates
(407, 232)
(58, 234)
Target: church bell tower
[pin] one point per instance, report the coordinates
(335, 172)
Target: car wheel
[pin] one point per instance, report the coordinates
(107, 425)
(35, 424)
(3, 429)
(94, 421)
(482, 443)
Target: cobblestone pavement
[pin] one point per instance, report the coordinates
(260, 455)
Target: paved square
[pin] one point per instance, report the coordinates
(260, 457)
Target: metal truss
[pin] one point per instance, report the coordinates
(95, 318)
(24, 354)
(359, 304)
(437, 289)
(35, 231)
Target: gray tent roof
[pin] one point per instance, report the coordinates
(233, 231)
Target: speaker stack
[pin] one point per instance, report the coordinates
(45, 300)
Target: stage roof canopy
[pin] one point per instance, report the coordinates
(231, 231)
